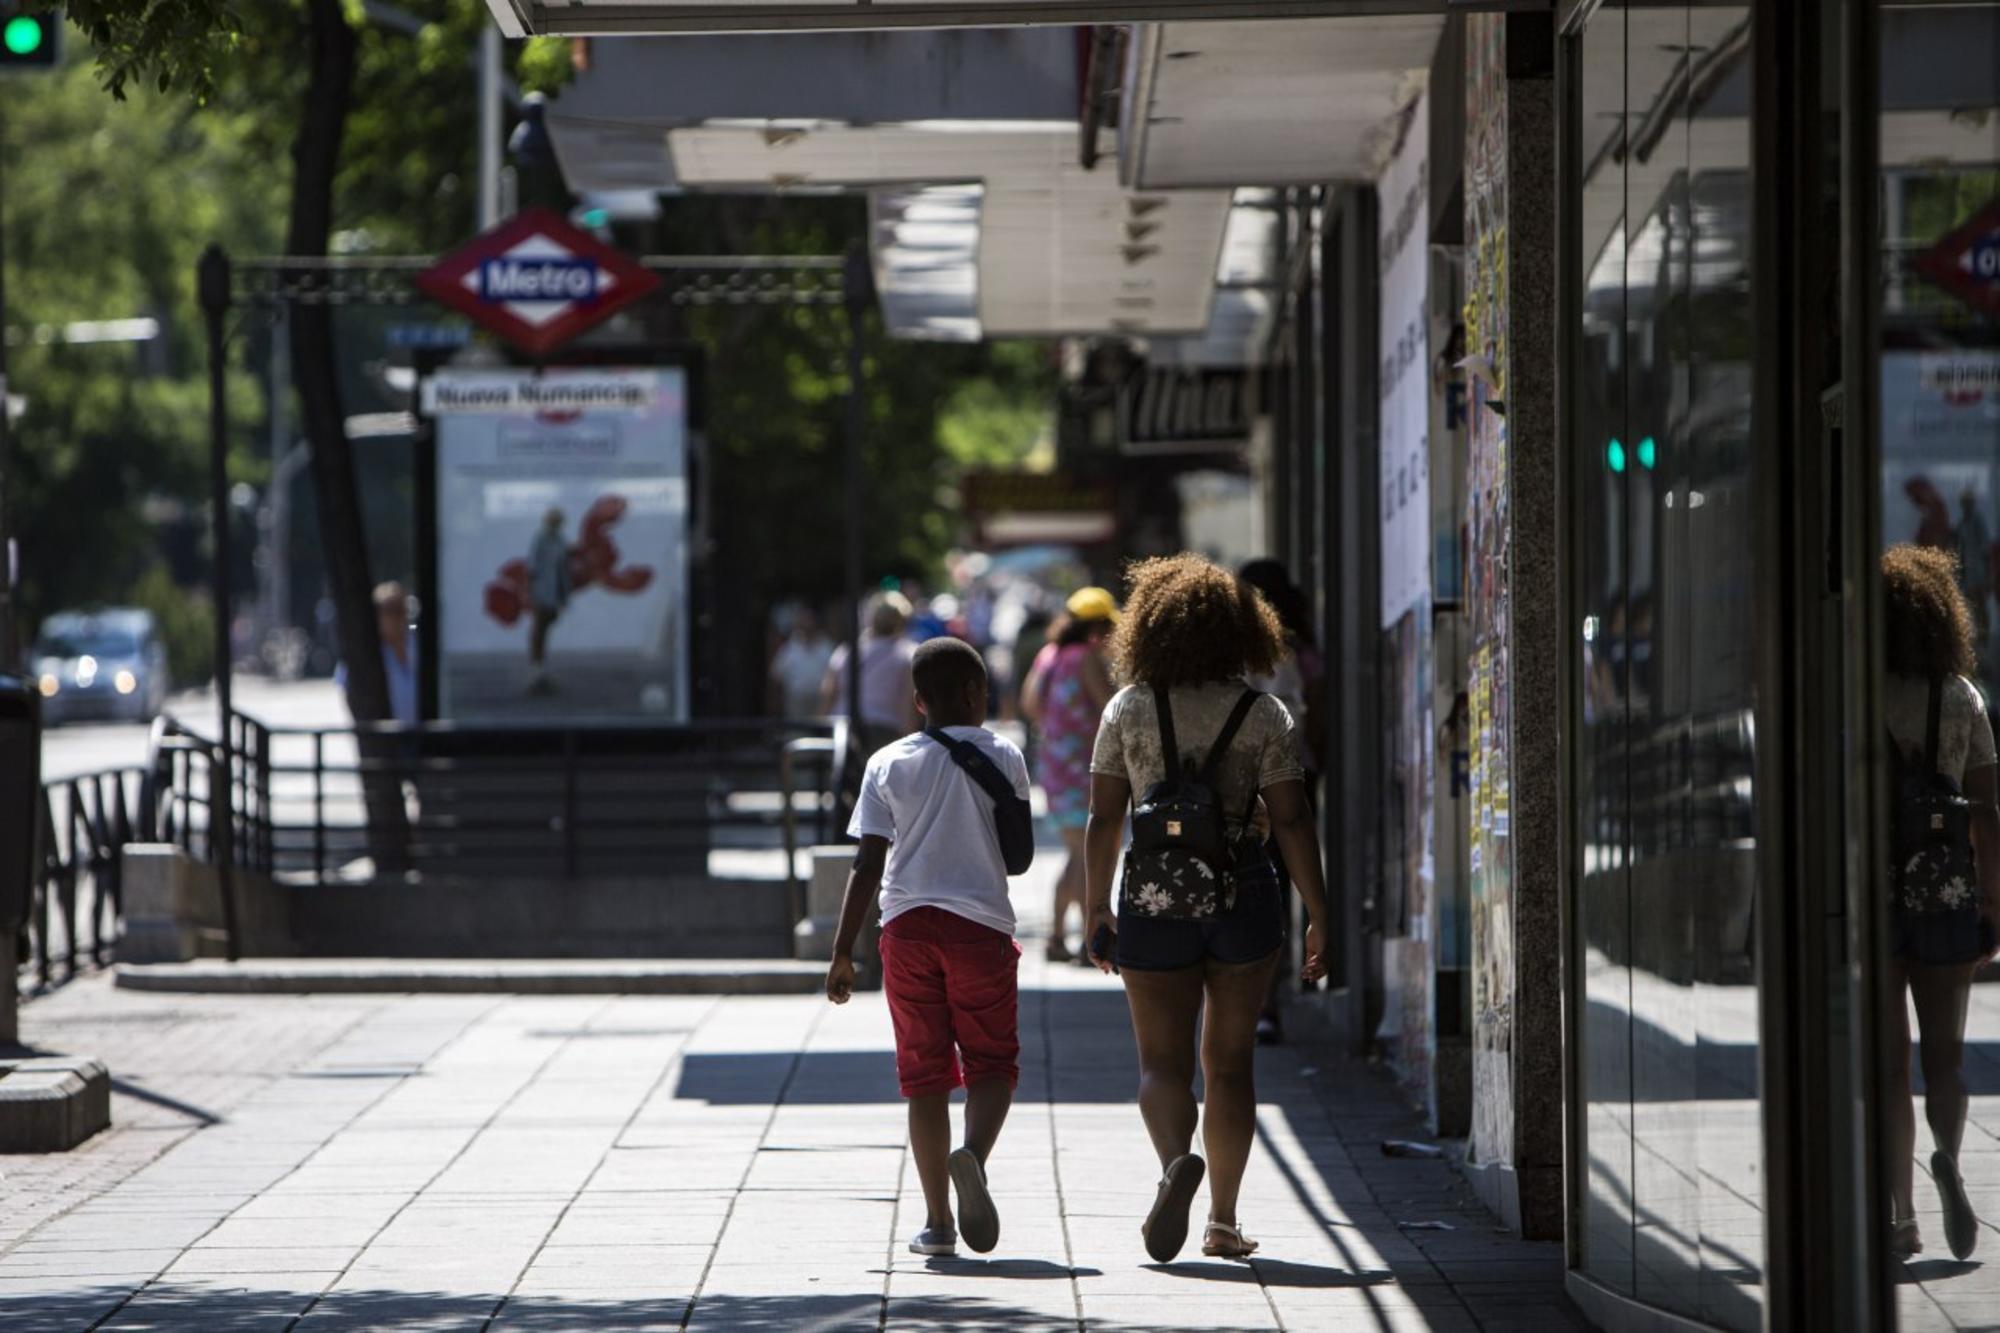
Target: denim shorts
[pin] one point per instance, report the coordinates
(1251, 930)
(1941, 939)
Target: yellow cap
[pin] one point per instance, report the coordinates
(1093, 604)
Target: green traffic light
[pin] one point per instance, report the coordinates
(1647, 452)
(22, 35)
(1614, 454)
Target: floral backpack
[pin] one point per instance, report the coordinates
(1931, 866)
(1182, 861)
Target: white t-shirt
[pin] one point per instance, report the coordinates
(945, 850)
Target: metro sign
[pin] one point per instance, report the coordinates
(536, 281)
(1967, 262)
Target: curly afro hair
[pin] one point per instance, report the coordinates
(1191, 622)
(1927, 625)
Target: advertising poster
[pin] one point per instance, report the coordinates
(562, 544)
(1940, 418)
(1405, 382)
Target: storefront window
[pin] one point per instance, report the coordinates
(1938, 395)
(1664, 782)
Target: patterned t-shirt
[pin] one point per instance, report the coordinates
(1965, 739)
(1264, 753)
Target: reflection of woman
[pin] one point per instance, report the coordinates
(548, 591)
(1194, 631)
(1929, 632)
(1065, 694)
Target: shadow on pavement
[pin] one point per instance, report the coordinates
(1274, 1273)
(224, 1305)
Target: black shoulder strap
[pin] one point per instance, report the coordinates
(977, 766)
(1932, 723)
(1237, 715)
(1170, 748)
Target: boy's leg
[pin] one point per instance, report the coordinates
(930, 1145)
(986, 1105)
(913, 980)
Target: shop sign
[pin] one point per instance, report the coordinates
(1167, 409)
(1967, 262)
(536, 281)
(1023, 508)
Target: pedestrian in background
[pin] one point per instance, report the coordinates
(799, 667)
(1297, 682)
(1063, 697)
(1196, 980)
(888, 707)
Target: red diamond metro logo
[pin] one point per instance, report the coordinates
(1967, 262)
(536, 281)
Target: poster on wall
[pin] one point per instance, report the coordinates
(1940, 418)
(1405, 380)
(562, 521)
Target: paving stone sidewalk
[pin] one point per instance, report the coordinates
(702, 1163)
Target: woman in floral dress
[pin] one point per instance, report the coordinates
(1065, 694)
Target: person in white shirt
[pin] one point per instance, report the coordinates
(888, 709)
(949, 960)
(798, 668)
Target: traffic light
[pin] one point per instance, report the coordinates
(27, 41)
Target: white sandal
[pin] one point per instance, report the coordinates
(1238, 1246)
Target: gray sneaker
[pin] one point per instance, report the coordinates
(977, 1216)
(940, 1242)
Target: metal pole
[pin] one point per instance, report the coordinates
(490, 147)
(10, 639)
(854, 295)
(212, 282)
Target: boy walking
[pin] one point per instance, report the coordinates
(949, 960)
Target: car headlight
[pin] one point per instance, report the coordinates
(125, 682)
(49, 685)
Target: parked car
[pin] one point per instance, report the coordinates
(106, 664)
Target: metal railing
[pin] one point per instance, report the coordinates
(385, 802)
(76, 903)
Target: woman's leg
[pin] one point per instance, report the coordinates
(1165, 1008)
(1941, 992)
(1228, 1052)
(1069, 893)
(1898, 1106)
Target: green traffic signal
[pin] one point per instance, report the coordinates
(1614, 454)
(27, 41)
(22, 36)
(1647, 452)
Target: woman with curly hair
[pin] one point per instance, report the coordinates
(1930, 705)
(1191, 632)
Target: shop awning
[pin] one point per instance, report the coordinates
(587, 18)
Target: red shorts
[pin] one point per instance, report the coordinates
(951, 989)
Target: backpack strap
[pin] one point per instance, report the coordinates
(1237, 716)
(1170, 749)
(983, 771)
(1931, 724)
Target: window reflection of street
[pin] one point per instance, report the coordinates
(1939, 395)
(1674, 1207)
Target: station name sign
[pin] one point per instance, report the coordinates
(603, 18)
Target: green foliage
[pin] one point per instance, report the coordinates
(162, 44)
(98, 230)
(186, 620)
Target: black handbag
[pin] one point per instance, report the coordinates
(1182, 862)
(1013, 819)
(1932, 867)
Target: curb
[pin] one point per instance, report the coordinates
(394, 976)
(52, 1103)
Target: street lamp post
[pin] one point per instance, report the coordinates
(212, 282)
(855, 294)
